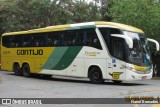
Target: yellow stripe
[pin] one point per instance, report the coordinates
(46, 29)
(64, 27)
(140, 68)
(90, 54)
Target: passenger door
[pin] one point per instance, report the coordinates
(118, 60)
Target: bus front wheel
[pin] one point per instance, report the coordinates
(17, 69)
(26, 70)
(95, 75)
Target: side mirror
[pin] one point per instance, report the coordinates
(154, 41)
(128, 40)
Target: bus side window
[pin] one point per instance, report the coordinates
(50, 40)
(53, 39)
(14, 41)
(57, 39)
(106, 33)
(92, 39)
(118, 49)
(27, 40)
(6, 41)
(80, 38)
(38, 40)
(69, 38)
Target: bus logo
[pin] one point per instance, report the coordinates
(6, 101)
(115, 75)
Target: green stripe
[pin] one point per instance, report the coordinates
(55, 57)
(62, 57)
(68, 58)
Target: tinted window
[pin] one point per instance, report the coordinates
(54, 39)
(91, 39)
(118, 49)
(11, 41)
(33, 40)
(27, 41)
(38, 40)
(6, 41)
(106, 33)
(86, 37)
(69, 38)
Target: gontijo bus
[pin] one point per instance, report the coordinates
(96, 50)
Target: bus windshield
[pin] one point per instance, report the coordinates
(140, 53)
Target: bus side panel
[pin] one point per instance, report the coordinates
(29, 60)
(76, 68)
(57, 61)
(93, 57)
(6, 63)
(101, 63)
(8, 57)
(44, 61)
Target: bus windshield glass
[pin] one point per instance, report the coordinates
(140, 53)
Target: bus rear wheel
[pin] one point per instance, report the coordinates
(95, 76)
(26, 70)
(17, 69)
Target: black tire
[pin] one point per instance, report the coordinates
(26, 70)
(17, 69)
(117, 81)
(95, 75)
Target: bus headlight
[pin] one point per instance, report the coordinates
(131, 68)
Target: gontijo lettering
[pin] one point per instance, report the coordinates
(30, 52)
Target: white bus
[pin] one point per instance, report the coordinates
(96, 50)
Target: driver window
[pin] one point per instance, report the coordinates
(118, 49)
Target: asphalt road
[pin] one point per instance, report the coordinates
(12, 86)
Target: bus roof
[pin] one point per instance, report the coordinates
(77, 26)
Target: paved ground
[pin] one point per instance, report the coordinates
(12, 86)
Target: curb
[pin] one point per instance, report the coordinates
(155, 78)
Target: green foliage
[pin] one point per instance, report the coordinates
(17, 15)
(144, 14)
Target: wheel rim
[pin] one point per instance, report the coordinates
(96, 75)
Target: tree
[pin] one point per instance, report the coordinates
(18, 15)
(83, 11)
(105, 5)
(143, 14)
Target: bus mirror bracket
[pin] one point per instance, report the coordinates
(128, 40)
(154, 41)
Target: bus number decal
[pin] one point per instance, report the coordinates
(6, 52)
(115, 75)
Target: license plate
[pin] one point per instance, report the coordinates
(144, 77)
